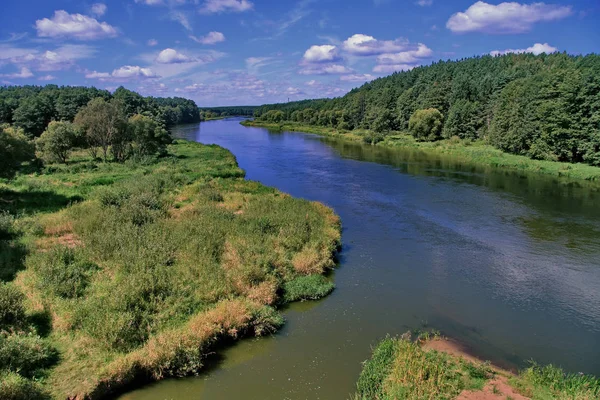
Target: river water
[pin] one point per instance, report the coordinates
(507, 263)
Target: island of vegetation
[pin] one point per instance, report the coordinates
(517, 111)
(435, 368)
(213, 113)
(126, 256)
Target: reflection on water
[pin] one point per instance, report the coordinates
(507, 262)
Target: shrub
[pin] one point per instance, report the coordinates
(56, 142)
(26, 354)
(63, 272)
(12, 311)
(15, 387)
(426, 125)
(311, 287)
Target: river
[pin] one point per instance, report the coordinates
(507, 263)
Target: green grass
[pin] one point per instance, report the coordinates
(473, 152)
(141, 268)
(402, 368)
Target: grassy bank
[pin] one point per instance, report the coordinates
(133, 271)
(437, 369)
(474, 152)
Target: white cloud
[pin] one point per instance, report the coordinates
(388, 69)
(22, 74)
(326, 69)
(210, 38)
(536, 49)
(292, 91)
(60, 58)
(180, 17)
(219, 6)
(357, 78)
(424, 3)
(321, 54)
(364, 45)
(46, 78)
(505, 17)
(152, 42)
(125, 73)
(406, 57)
(150, 2)
(98, 9)
(172, 56)
(74, 26)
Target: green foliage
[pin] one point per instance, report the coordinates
(33, 115)
(560, 384)
(57, 141)
(311, 287)
(273, 116)
(63, 272)
(544, 107)
(12, 311)
(376, 370)
(15, 387)
(426, 125)
(15, 149)
(147, 136)
(26, 354)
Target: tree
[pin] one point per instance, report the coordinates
(56, 142)
(104, 125)
(463, 120)
(33, 115)
(147, 135)
(15, 149)
(426, 125)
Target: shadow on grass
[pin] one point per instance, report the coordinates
(28, 202)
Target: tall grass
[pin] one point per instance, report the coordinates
(150, 264)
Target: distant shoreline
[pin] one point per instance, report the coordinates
(474, 152)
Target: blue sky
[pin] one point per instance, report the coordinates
(234, 52)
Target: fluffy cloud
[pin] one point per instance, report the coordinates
(74, 26)
(406, 57)
(536, 49)
(22, 74)
(210, 38)
(98, 9)
(364, 45)
(388, 69)
(505, 17)
(60, 58)
(171, 56)
(219, 6)
(321, 54)
(326, 69)
(125, 73)
(356, 78)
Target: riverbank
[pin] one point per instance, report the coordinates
(133, 272)
(473, 152)
(432, 367)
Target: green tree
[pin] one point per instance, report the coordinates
(15, 148)
(147, 135)
(57, 141)
(104, 125)
(33, 115)
(426, 125)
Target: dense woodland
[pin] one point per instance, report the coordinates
(45, 124)
(544, 107)
(207, 113)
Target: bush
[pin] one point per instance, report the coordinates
(63, 272)
(6, 226)
(310, 287)
(15, 387)
(26, 354)
(426, 125)
(12, 311)
(56, 142)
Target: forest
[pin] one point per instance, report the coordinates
(545, 107)
(208, 113)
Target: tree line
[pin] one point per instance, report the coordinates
(207, 113)
(45, 124)
(544, 107)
